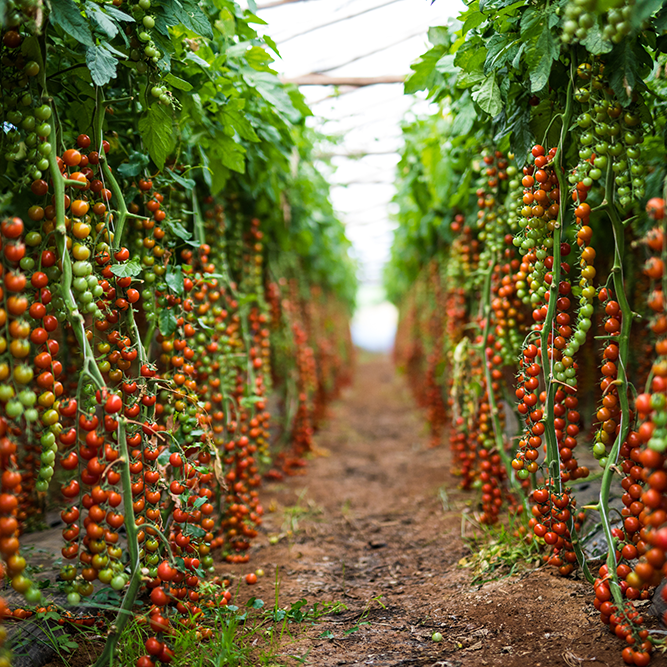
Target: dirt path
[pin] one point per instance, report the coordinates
(376, 525)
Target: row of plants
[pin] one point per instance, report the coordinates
(530, 281)
(175, 299)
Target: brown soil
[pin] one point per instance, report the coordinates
(375, 523)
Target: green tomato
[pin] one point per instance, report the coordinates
(28, 398)
(82, 268)
(73, 598)
(118, 583)
(32, 68)
(33, 595)
(14, 409)
(584, 120)
(149, 22)
(105, 575)
(31, 415)
(48, 457)
(44, 130)
(46, 472)
(43, 112)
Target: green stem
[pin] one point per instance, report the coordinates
(200, 233)
(107, 174)
(553, 455)
(623, 351)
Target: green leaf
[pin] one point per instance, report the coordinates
(624, 64)
(439, 35)
(167, 322)
(101, 63)
(487, 96)
(465, 117)
(178, 83)
(137, 162)
(271, 44)
(177, 229)
(425, 72)
(327, 634)
(66, 15)
(174, 278)
(643, 10)
(186, 183)
(540, 56)
(446, 65)
(103, 22)
(234, 120)
(522, 138)
(170, 13)
(128, 269)
(595, 42)
(118, 14)
(156, 130)
(192, 17)
(193, 57)
(472, 21)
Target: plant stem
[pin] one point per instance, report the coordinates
(107, 174)
(553, 454)
(623, 350)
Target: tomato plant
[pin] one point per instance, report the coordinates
(170, 259)
(530, 278)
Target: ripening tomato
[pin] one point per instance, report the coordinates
(655, 208)
(12, 228)
(71, 157)
(80, 207)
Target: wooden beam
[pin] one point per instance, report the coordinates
(354, 81)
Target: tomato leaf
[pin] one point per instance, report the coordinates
(186, 12)
(178, 83)
(644, 10)
(540, 55)
(187, 183)
(112, 10)
(624, 64)
(234, 120)
(487, 95)
(595, 43)
(174, 278)
(424, 71)
(193, 17)
(167, 322)
(67, 16)
(101, 63)
(128, 269)
(137, 162)
(176, 228)
(155, 128)
(105, 24)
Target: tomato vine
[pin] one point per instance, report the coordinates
(564, 103)
(171, 262)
